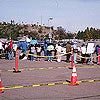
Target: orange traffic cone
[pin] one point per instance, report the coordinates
(98, 56)
(74, 79)
(72, 60)
(98, 60)
(1, 91)
(16, 62)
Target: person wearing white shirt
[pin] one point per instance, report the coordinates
(83, 53)
(59, 49)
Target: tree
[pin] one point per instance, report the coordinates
(91, 33)
(61, 33)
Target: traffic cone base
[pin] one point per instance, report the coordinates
(74, 84)
(16, 71)
(1, 91)
(74, 79)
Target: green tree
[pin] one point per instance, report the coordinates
(61, 33)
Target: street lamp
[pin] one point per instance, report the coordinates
(50, 32)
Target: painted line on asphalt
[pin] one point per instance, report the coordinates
(47, 84)
(49, 68)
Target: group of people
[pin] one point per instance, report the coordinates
(36, 50)
(49, 51)
(7, 49)
(87, 53)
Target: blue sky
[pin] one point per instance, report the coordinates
(73, 15)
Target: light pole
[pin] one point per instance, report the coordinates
(50, 32)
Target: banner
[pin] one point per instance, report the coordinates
(90, 48)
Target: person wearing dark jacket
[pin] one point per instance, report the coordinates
(68, 51)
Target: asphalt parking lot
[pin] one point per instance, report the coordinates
(43, 80)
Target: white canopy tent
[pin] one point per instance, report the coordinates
(25, 39)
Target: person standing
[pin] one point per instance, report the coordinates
(75, 51)
(38, 51)
(32, 51)
(24, 47)
(68, 51)
(45, 48)
(50, 48)
(83, 53)
(10, 52)
(59, 49)
(97, 52)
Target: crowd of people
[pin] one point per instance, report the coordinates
(49, 51)
(7, 49)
